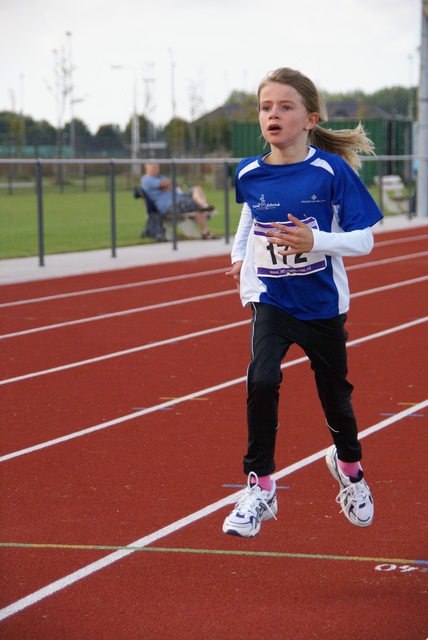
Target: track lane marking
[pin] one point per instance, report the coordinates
(125, 352)
(376, 263)
(118, 314)
(192, 396)
(166, 279)
(388, 287)
(183, 301)
(226, 552)
(387, 243)
(116, 287)
(188, 336)
(120, 554)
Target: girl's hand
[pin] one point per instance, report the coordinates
(298, 239)
(235, 272)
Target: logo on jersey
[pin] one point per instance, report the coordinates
(313, 200)
(265, 206)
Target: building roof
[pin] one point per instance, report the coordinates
(234, 112)
(355, 111)
(336, 111)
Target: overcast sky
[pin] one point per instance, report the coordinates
(193, 53)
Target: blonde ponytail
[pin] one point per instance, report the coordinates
(347, 143)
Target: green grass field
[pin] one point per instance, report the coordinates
(80, 221)
(77, 220)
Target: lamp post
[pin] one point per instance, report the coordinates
(135, 127)
(148, 107)
(70, 74)
(22, 110)
(174, 105)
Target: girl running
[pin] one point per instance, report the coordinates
(304, 208)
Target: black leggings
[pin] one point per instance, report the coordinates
(324, 342)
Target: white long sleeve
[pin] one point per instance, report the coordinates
(351, 243)
(244, 227)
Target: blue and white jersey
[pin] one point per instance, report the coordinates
(323, 192)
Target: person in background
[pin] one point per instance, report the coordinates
(304, 208)
(159, 189)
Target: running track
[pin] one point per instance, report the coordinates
(123, 430)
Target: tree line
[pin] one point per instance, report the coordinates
(206, 135)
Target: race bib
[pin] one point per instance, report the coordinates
(271, 264)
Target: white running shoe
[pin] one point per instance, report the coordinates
(255, 506)
(354, 496)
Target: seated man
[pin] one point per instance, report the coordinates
(159, 189)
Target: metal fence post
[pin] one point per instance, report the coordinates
(40, 213)
(226, 203)
(83, 174)
(381, 172)
(113, 207)
(174, 204)
(10, 180)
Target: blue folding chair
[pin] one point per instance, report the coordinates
(154, 226)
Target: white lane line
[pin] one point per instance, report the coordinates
(118, 314)
(117, 287)
(66, 581)
(144, 283)
(387, 332)
(117, 354)
(387, 287)
(385, 243)
(126, 418)
(191, 396)
(185, 300)
(376, 263)
(125, 352)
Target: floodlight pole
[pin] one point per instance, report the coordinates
(22, 110)
(148, 108)
(135, 125)
(174, 105)
(70, 71)
(422, 177)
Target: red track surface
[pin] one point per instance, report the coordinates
(156, 459)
